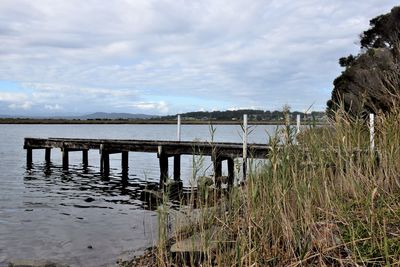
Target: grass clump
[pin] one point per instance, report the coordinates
(325, 200)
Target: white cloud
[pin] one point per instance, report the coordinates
(53, 107)
(24, 105)
(12, 97)
(160, 106)
(240, 53)
(16, 100)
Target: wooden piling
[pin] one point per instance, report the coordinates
(65, 158)
(164, 149)
(231, 172)
(163, 160)
(177, 167)
(163, 169)
(85, 157)
(105, 163)
(125, 161)
(217, 164)
(28, 156)
(47, 155)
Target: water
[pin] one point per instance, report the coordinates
(77, 217)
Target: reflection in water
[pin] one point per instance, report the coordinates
(87, 184)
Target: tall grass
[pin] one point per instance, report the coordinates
(326, 200)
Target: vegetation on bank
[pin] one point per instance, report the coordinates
(253, 115)
(326, 201)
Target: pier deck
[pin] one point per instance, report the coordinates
(164, 149)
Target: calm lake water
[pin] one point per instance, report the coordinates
(45, 212)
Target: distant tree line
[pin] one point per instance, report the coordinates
(253, 114)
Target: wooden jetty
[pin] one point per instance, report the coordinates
(218, 152)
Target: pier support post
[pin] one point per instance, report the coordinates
(163, 169)
(85, 157)
(217, 164)
(47, 154)
(231, 172)
(65, 158)
(177, 167)
(125, 161)
(105, 163)
(163, 159)
(29, 157)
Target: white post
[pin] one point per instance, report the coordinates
(371, 131)
(245, 129)
(297, 126)
(179, 128)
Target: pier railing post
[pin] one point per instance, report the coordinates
(179, 128)
(245, 133)
(298, 121)
(372, 132)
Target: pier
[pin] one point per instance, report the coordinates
(218, 152)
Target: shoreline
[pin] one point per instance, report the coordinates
(154, 122)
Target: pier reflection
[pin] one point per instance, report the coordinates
(84, 184)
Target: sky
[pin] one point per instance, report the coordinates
(173, 56)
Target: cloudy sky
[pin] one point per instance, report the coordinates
(172, 56)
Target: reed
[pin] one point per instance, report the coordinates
(325, 200)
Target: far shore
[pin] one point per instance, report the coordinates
(130, 121)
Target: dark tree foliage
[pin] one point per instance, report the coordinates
(371, 80)
(384, 32)
(346, 61)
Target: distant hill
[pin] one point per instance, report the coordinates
(92, 116)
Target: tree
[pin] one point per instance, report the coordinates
(371, 80)
(384, 32)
